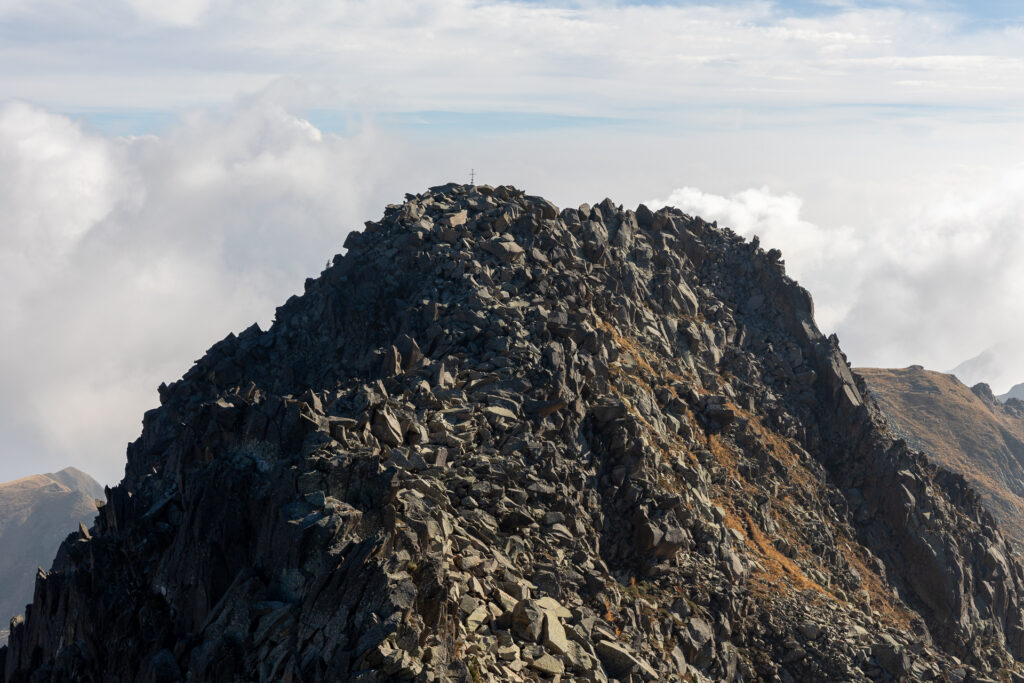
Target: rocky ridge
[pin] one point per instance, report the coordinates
(502, 441)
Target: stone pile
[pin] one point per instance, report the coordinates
(502, 441)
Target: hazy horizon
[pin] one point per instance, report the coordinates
(176, 171)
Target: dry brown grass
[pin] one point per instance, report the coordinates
(777, 571)
(882, 601)
(628, 345)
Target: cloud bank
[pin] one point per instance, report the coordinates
(122, 260)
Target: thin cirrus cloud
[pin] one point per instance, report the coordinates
(587, 58)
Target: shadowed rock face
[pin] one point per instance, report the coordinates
(965, 430)
(36, 514)
(499, 440)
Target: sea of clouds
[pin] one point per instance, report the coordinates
(123, 259)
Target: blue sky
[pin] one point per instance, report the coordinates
(174, 171)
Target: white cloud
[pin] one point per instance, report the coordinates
(58, 183)
(124, 259)
(177, 13)
(617, 58)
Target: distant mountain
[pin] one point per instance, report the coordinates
(77, 480)
(1017, 392)
(966, 430)
(36, 514)
(977, 369)
(999, 366)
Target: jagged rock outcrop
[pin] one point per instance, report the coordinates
(967, 430)
(502, 441)
(36, 514)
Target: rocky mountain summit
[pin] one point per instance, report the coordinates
(36, 514)
(497, 440)
(967, 430)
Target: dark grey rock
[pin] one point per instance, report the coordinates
(499, 440)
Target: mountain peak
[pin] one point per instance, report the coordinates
(499, 439)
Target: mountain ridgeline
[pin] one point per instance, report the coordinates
(497, 440)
